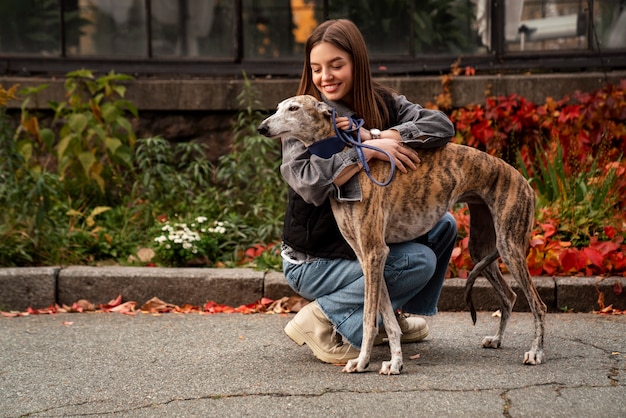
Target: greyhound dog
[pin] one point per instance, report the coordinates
(501, 205)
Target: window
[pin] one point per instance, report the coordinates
(543, 25)
(417, 36)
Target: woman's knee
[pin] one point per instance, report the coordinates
(449, 227)
(423, 262)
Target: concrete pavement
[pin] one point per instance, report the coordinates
(235, 365)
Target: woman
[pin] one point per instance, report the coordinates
(318, 263)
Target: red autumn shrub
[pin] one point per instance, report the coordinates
(589, 129)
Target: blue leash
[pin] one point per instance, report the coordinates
(329, 146)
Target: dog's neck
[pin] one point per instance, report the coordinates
(328, 146)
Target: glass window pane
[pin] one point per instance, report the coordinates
(278, 28)
(192, 28)
(113, 28)
(407, 27)
(538, 25)
(610, 23)
(30, 27)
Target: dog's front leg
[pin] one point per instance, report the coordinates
(370, 326)
(376, 299)
(394, 366)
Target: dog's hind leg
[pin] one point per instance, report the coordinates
(507, 300)
(471, 279)
(518, 268)
(482, 247)
(513, 234)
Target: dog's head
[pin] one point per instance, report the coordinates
(302, 117)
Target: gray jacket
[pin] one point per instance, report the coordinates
(312, 177)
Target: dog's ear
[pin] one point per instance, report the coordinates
(323, 108)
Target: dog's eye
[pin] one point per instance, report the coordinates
(293, 108)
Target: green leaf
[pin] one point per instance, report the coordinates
(63, 144)
(125, 154)
(99, 131)
(109, 112)
(78, 122)
(81, 73)
(124, 123)
(47, 137)
(112, 144)
(120, 90)
(87, 159)
(25, 148)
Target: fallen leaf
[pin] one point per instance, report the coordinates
(145, 255)
(287, 304)
(127, 308)
(157, 305)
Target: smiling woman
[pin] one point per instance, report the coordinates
(318, 262)
(332, 71)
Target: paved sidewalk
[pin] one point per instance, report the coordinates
(235, 365)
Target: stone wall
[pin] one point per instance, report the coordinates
(205, 109)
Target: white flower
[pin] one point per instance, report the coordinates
(201, 219)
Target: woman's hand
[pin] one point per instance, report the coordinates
(344, 123)
(403, 156)
(389, 141)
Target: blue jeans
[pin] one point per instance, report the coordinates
(414, 273)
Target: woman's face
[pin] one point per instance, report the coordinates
(331, 69)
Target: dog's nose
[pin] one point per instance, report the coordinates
(263, 129)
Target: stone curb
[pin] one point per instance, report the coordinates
(40, 287)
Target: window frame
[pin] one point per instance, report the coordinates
(497, 60)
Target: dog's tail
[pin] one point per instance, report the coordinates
(469, 284)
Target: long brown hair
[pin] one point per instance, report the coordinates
(367, 94)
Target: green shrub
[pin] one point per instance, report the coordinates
(92, 151)
(249, 176)
(583, 200)
(170, 175)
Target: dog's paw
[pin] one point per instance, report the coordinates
(355, 365)
(391, 367)
(533, 357)
(491, 342)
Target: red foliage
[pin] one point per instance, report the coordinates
(547, 256)
(590, 127)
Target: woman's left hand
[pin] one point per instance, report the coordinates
(403, 156)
